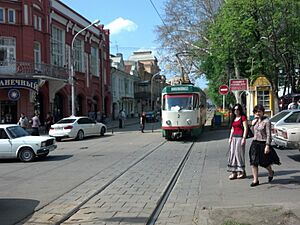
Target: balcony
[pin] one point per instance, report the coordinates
(33, 70)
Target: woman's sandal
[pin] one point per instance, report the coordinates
(253, 184)
(232, 176)
(241, 175)
(270, 178)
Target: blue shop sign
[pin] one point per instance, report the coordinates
(14, 94)
(31, 84)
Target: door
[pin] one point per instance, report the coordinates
(8, 111)
(5, 145)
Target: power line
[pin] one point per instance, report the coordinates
(158, 13)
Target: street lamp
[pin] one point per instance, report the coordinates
(152, 80)
(71, 78)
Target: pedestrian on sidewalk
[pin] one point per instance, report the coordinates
(48, 122)
(122, 117)
(23, 121)
(237, 142)
(35, 125)
(261, 152)
(143, 121)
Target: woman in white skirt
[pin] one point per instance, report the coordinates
(237, 142)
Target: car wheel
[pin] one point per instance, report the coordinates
(80, 135)
(102, 132)
(26, 155)
(58, 139)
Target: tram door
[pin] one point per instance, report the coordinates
(8, 111)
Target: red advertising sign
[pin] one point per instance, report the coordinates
(238, 84)
(223, 89)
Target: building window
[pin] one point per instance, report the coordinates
(57, 43)
(263, 97)
(37, 56)
(2, 15)
(7, 50)
(94, 61)
(11, 16)
(39, 27)
(37, 22)
(78, 55)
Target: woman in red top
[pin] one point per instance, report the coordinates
(237, 142)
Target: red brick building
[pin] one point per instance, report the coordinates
(35, 57)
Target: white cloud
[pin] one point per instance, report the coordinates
(120, 24)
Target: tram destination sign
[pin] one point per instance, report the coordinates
(183, 88)
(238, 84)
(31, 84)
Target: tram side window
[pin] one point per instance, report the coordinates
(196, 101)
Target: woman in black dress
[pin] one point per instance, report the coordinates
(261, 152)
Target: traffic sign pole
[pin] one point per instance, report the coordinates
(223, 90)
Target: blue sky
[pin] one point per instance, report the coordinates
(131, 23)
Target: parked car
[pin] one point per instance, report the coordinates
(151, 117)
(15, 142)
(284, 117)
(76, 127)
(288, 135)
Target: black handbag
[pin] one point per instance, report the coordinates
(249, 133)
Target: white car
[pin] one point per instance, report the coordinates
(76, 127)
(284, 117)
(15, 142)
(287, 136)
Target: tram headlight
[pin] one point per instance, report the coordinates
(188, 121)
(168, 122)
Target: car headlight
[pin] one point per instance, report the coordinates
(43, 144)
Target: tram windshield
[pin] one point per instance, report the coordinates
(180, 102)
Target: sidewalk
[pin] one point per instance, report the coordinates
(112, 124)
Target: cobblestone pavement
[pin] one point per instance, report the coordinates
(203, 194)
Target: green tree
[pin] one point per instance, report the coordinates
(235, 39)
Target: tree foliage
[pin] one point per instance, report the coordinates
(235, 38)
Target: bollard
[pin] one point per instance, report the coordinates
(152, 128)
(112, 130)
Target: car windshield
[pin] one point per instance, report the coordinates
(278, 116)
(66, 121)
(17, 131)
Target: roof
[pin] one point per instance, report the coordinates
(142, 56)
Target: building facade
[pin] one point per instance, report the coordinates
(35, 58)
(124, 75)
(148, 89)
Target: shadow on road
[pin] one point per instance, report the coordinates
(55, 158)
(295, 157)
(13, 210)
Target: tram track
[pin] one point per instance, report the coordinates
(156, 212)
(149, 205)
(38, 214)
(46, 214)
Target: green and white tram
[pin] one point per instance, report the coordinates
(183, 111)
